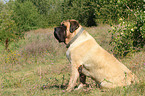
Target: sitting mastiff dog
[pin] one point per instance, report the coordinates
(88, 58)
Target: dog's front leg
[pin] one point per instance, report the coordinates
(82, 78)
(73, 78)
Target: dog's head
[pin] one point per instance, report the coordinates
(65, 31)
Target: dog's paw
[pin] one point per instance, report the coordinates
(80, 87)
(69, 89)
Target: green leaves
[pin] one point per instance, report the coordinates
(8, 28)
(19, 16)
(128, 36)
(26, 16)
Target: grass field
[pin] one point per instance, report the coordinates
(37, 66)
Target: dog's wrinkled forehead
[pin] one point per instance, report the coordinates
(71, 25)
(66, 23)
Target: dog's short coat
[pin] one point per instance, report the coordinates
(88, 58)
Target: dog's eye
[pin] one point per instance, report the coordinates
(62, 25)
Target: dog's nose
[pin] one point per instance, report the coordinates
(55, 29)
(55, 32)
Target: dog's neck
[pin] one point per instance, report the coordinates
(77, 34)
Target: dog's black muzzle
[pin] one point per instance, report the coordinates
(60, 33)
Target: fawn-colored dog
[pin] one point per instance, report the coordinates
(88, 58)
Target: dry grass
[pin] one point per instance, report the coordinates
(37, 65)
(41, 40)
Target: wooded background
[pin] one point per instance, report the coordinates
(19, 16)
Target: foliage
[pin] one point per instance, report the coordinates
(1, 5)
(26, 16)
(88, 12)
(8, 28)
(32, 14)
(83, 11)
(129, 36)
(109, 11)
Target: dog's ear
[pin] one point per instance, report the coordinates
(73, 26)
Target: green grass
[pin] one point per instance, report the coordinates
(37, 65)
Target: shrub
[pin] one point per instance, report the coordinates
(26, 16)
(129, 36)
(8, 28)
(83, 11)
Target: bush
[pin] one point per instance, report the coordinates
(26, 16)
(83, 11)
(129, 36)
(106, 11)
(109, 11)
(8, 28)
